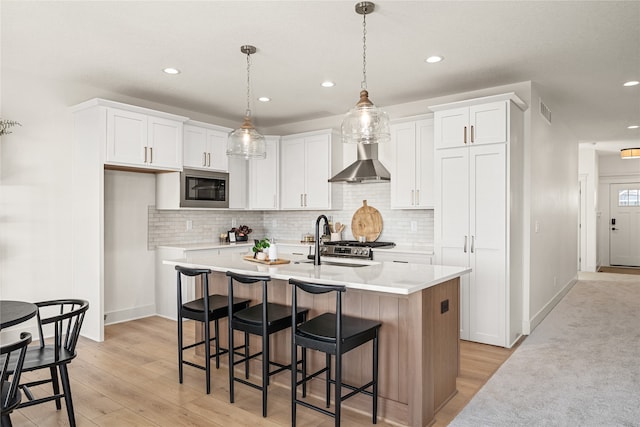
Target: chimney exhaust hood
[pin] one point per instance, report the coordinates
(367, 169)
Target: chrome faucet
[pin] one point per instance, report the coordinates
(316, 256)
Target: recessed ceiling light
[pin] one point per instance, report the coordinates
(633, 127)
(328, 84)
(171, 70)
(632, 83)
(264, 99)
(433, 59)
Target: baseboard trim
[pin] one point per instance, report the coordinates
(119, 316)
(531, 324)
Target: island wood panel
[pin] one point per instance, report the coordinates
(418, 353)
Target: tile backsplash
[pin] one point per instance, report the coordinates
(172, 227)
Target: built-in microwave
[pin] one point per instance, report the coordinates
(204, 189)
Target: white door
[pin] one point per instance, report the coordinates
(292, 173)
(403, 137)
(217, 145)
(624, 224)
(195, 147)
(488, 123)
(424, 163)
(318, 172)
(126, 137)
(165, 143)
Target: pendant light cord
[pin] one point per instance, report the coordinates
(363, 85)
(248, 112)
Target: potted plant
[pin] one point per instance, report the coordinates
(242, 233)
(259, 247)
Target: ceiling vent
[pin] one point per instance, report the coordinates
(545, 112)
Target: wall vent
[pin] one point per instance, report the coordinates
(545, 112)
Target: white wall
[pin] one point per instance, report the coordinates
(129, 280)
(552, 187)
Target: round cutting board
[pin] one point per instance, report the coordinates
(366, 222)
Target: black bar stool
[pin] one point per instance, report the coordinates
(333, 334)
(263, 320)
(203, 310)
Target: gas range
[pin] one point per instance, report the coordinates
(352, 248)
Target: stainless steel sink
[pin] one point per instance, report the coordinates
(338, 264)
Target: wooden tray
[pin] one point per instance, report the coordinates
(266, 261)
(367, 222)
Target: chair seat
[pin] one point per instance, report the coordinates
(38, 358)
(278, 315)
(355, 331)
(218, 307)
(13, 404)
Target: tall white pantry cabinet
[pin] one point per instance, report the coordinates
(478, 216)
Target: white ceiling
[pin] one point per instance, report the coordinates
(580, 51)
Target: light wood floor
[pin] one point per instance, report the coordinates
(131, 379)
(620, 270)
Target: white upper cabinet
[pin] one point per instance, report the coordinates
(263, 177)
(412, 165)
(142, 139)
(471, 125)
(305, 168)
(205, 146)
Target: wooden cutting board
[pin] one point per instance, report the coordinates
(266, 261)
(367, 222)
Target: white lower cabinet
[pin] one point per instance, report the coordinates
(401, 257)
(478, 223)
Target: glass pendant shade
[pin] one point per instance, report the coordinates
(365, 123)
(246, 142)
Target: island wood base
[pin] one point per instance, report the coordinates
(419, 350)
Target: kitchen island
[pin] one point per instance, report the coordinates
(417, 304)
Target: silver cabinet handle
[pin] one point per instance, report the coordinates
(301, 202)
(413, 200)
(465, 134)
(472, 134)
(204, 159)
(145, 154)
(150, 154)
(417, 197)
(473, 243)
(208, 159)
(274, 200)
(305, 199)
(465, 244)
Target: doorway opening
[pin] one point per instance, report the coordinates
(624, 224)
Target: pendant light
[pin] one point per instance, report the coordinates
(245, 141)
(630, 153)
(365, 123)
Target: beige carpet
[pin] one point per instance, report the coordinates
(579, 367)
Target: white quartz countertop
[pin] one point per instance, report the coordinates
(386, 277)
(417, 248)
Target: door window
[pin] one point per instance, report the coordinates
(629, 197)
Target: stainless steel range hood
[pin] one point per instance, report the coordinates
(366, 169)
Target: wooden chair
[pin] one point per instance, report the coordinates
(333, 334)
(66, 317)
(205, 310)
(12, 358)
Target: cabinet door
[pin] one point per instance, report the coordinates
(292, 173)
(488, 122)
(195, 147)
(424, 164)
(263, 178)
(403, 138)
(487, 227)
(238, 186)
(165, 143)
(318, 172)
(126, 137)
(451, 225)
(217, 150)
(452, 128)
